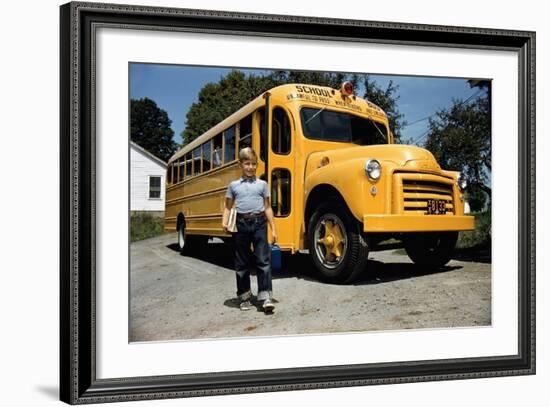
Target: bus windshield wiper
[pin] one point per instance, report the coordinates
(312, 117)
(379, 131)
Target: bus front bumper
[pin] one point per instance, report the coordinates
(416, 223)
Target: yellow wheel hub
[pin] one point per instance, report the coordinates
(333, 241)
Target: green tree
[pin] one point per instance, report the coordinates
(477, 199)
(460, 139)
(330, 79)
(387, 100)
(150, 128)
(218, 100)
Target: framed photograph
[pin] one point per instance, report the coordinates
(399, 170)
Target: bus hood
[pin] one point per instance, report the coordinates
(397, 154)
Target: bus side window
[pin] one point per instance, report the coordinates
(169, 174)
(245, 132)
(280, 192)
(280, 132)
(180, 169)
(188, 165)
(206, 156)
(229, 147)
(217, 151)
(197, 161)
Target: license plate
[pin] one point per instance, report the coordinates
(436, 207)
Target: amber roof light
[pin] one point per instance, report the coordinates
(347, 88)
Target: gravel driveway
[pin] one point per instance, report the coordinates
(178, 297)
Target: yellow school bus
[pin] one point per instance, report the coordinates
(339, 184)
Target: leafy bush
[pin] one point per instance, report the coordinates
(481, 235)
(144, 225)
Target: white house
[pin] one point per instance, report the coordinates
(147, 186)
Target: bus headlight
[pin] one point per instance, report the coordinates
(373, 169)
(462, 181)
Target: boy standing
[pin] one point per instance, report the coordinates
(251, 197)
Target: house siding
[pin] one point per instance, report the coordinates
(141, 168)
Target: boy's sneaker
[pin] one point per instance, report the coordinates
(268, 306)
(245, 305)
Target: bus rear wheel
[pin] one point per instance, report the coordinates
(190, 244)
(336, 246)
(431, 250)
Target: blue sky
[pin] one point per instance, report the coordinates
(175, 88)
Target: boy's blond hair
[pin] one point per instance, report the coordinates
(247, 154)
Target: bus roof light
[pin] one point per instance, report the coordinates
(347, 88)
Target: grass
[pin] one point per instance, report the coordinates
(144, 226)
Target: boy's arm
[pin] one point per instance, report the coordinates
(226, 209)
(269, 215)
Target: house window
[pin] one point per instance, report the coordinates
(154, 187)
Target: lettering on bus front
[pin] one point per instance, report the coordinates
(316, 91)
(308, 97)
(320, 95)
(348, 105)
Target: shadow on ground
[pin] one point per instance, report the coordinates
(300, 266)
(479, 254)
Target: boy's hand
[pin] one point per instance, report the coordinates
(224, 228)
(273, 236)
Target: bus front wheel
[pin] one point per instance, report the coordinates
(336, 246)
(431, 250)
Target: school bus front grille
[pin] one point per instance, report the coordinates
(414, 190)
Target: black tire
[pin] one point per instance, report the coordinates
(349, 243)
(190, 244)
(431, 250)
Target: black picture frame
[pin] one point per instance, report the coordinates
(78, 381)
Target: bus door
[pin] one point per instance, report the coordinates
(280, 153)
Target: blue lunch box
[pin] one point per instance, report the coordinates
(275, 257)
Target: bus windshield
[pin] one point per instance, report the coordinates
(328, 125)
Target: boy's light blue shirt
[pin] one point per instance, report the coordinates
(248, 194)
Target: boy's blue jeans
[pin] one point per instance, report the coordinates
(252, 231)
